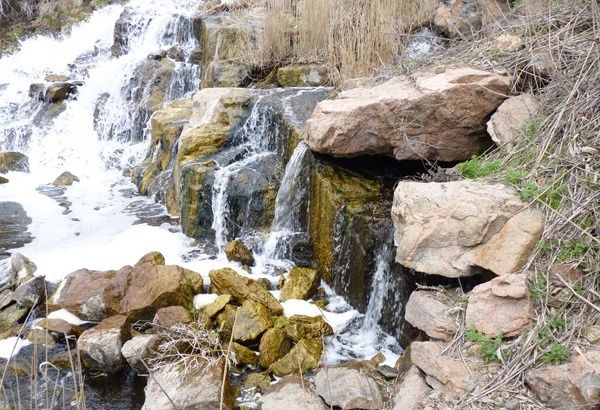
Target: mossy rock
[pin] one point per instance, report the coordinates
(13, 161)
(226, 281)
(194, 201)
(302, 75)
(217, 306)
(253, 318)
(11, 315)
(244, 355)
(260, 380)
(306, 327)
(302, 283)
(303, 357)
(225, 320)
(237, 251)
(274, 344)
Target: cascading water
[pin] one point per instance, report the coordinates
(94, 136)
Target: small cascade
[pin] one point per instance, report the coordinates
(288, 204)
(380, 287)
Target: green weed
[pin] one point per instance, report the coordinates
(557, 354)
(514, 177)
(574, 249)
(488, 345)
(538, 287)
(478, 167)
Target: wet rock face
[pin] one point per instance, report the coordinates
(410, 119)
(13, 227)
(237, 251)
(470, 226)
(13, 161)
(54, 92)
(136, 291)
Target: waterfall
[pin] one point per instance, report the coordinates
(380, 287)
(292, 192)
(96, 134)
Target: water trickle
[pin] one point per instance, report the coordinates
(380, 287)
(292, 193)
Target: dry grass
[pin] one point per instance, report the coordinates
(554, 166)
(352, 37)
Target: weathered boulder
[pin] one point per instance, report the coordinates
(452, 376)
(41, 337)
(303, 357)
(237, 251)
(274, 344)
(509, 43)
(65, 179)
(431, 313)
(6, 298)
(291, 396)
(196, 388)
(137, 291)
(454, 229)
(571, 386)
(172, 315)
(253, 318)
(9, 316)
(300, 75)
(153, 258)
(501, 306)
(100, 347)
(510, 118)
(259, 380)
(348, 388)
(139, 350)
(3, 180)
(59, 327)
(13, 161)
(13, 233)
(31, 293)
(302, 283)
(433, 116)
(53, 92)
(411, 391)
(226, 281)
(307, 327)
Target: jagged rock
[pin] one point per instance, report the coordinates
(226, 281)
(348, 388)
(53, 92)
(299, 75)
(137, 291)
(244, 355)
(60, 327)
(433, 116)
(501, 306)
(172, 315)
(65, 179)
(507, 123)
(453, 229)
(32, 292)
(411, 391)
(6, 298)
(225, 320)
(237, 251)
(100, 347)
(139, 350)
(196, 388)
(291, 396)
(274, 344)
(253, 318)
(215, 307)
(3, 180)
(302, 283)
(571, 386)
(592, 333)
(303, 357)
(175, 53)
(157, 55)
(509, 43)
(13, 161)
(454, 377)
(11, 315)
(307, 327)
(431, 313)
(21, 268)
